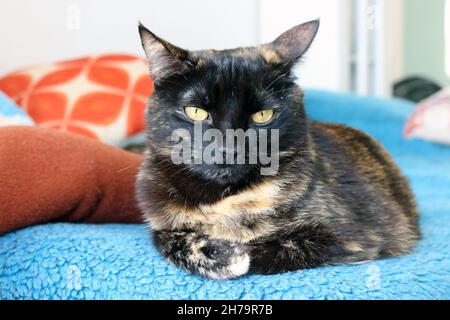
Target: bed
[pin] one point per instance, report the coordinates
(81, 261)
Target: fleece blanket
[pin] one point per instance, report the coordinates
(74, 261)
(11, 114)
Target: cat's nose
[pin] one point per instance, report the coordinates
(227, 151)
(227, 155)
(230, 122)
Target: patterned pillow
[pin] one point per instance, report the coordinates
(102, 97)
(431, 120)
(11, 114)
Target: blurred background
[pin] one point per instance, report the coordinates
(364, 46)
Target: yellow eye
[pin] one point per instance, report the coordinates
(262, 116)
(196, 114)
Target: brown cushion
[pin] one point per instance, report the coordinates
(49, 176)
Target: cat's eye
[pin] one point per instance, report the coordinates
(262, 116)
(196, 114)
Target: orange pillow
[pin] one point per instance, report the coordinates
(102, 97)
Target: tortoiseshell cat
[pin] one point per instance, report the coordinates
(337, 198)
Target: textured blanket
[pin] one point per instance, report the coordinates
(119, 261)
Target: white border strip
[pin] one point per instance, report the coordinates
(447, 36)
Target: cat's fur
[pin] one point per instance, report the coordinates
(338, 196)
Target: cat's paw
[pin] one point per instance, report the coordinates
(220, 259)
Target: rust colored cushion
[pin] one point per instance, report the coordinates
(102, 97)
(48, 175)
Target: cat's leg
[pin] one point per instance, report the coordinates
(198, 254)
(294, 252)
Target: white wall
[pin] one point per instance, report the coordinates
(33, 32)
(326, 63)
(38, 31)
(447, 36)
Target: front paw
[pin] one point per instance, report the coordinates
(221, 260)
(198, 254)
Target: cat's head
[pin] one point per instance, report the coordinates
(245, 88)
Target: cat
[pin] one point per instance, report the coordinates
(337, 197)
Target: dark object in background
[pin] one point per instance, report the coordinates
(415, 89)
(135, 144)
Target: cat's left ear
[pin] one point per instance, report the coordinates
(294, 43)
(164, 58)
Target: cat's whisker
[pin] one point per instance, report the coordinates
(276, 80)
(276, 92)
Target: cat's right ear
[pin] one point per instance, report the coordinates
(164, 58)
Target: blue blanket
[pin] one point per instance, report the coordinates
(119, 262)
(11, 114)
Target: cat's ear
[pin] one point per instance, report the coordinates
(164, 58)
(293, 44)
